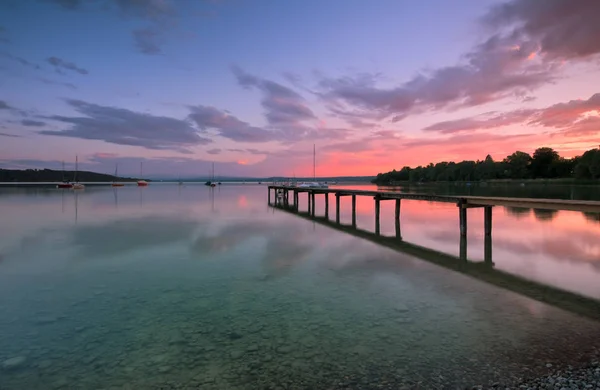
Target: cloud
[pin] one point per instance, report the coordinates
(493, 70)
(32, 123)
(4, 105)
(485, 121)
(562, 29)
(160, 16)
(60, 64)
(53, 82)
(283, 106)
(227, 125)
(124, 127)
(213, 151)
(9, 135)
(147, 40)
(573, 118)
(526, 46)
(20, 60)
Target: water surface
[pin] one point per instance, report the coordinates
(169, 286)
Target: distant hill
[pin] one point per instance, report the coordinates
(224, 179)
(49, 175)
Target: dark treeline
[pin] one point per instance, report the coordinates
(545, 163)
(49, 175)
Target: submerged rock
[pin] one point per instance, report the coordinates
(14, 363)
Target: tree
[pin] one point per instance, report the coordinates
(542, 162)
(517, 165)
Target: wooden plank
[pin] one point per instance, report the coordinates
(469, 201)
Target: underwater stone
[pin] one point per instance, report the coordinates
(14, 363)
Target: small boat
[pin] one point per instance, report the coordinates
(314, 184)
(142, 182)
(115, 183)
(76, 184)
(211, 182)
(64, 184)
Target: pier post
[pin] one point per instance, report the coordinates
(397, 216)
(463, 248)
(487, 257)
(462, 214)
(377, 209)
(309, 204)
(337, 208)
(269, 194)
(327, 205)
(312, 210)
(354, 211)
(487, 220)
(296, 200)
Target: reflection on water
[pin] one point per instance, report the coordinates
(179, 286)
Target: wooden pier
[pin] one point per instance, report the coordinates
(484, 271)
(282, 194)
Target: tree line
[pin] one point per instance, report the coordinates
(49, 175)
(545, 163)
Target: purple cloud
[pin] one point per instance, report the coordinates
(575, 117)
(32, 123)
(283, 106)
(124, 127)
(562, 29)
(60, 64)
(227, 125)
(485, 121)
(213, 151)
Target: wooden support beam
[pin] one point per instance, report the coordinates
(309, 203)
(354, 211)
(462, 219)
(269, 194)
(326, 205)
(377, 210)
(312, 210)
(487, 220)
(397, 219)
(463, 248)
(337, 208)
(488, 250)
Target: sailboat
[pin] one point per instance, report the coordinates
(315, 183)
(115, 183)
(76, 184)
(142, 182)
(211, 182)
(65, 183)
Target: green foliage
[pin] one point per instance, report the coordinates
(49, 175)
(545, 163)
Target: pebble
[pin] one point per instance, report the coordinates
(14, 363)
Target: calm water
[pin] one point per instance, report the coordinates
(168, 286)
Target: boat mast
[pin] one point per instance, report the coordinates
(76, 168)
(141, 170)
(314, 164)
(63, 172)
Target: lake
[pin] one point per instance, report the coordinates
(190, 287)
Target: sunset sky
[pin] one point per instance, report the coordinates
(252, 85)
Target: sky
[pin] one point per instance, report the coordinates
(251, 86)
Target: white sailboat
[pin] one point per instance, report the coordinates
(314, 183)
(142, 182)
(77, 185)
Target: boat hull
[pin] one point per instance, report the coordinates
(64, 185)
(142, 183)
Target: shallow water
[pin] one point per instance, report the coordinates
(168, 286)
